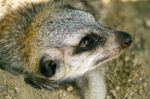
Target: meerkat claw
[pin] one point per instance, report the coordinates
(40, 83)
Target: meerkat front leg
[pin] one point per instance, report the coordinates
(92, 85)
(96, 85)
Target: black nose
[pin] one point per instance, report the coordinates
(124, 38)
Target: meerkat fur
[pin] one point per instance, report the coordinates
(53, 42)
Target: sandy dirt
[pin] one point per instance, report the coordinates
(128, 77)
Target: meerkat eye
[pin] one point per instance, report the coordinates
(89, 42)
(86, 42)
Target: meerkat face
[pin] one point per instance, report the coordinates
(72, 43)
(93, 49)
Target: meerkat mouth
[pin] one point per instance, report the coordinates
(115, 53)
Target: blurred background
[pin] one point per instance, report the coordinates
(128, 77)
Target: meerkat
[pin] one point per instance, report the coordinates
(51, 43)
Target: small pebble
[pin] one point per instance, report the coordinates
(65, 94)
(70, 88)
(147, 22)
(127, 58)
(61, 91)
(8, 97)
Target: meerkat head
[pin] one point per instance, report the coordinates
(70, 42)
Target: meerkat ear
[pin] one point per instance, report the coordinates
(48, 67)
(50, 62)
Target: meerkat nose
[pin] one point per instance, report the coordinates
(124, 38)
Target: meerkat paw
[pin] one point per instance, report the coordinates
(40, 83)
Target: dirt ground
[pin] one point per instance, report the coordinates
(128, 77)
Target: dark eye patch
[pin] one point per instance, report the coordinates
(89, 42)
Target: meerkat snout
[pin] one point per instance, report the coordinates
(124, 38)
